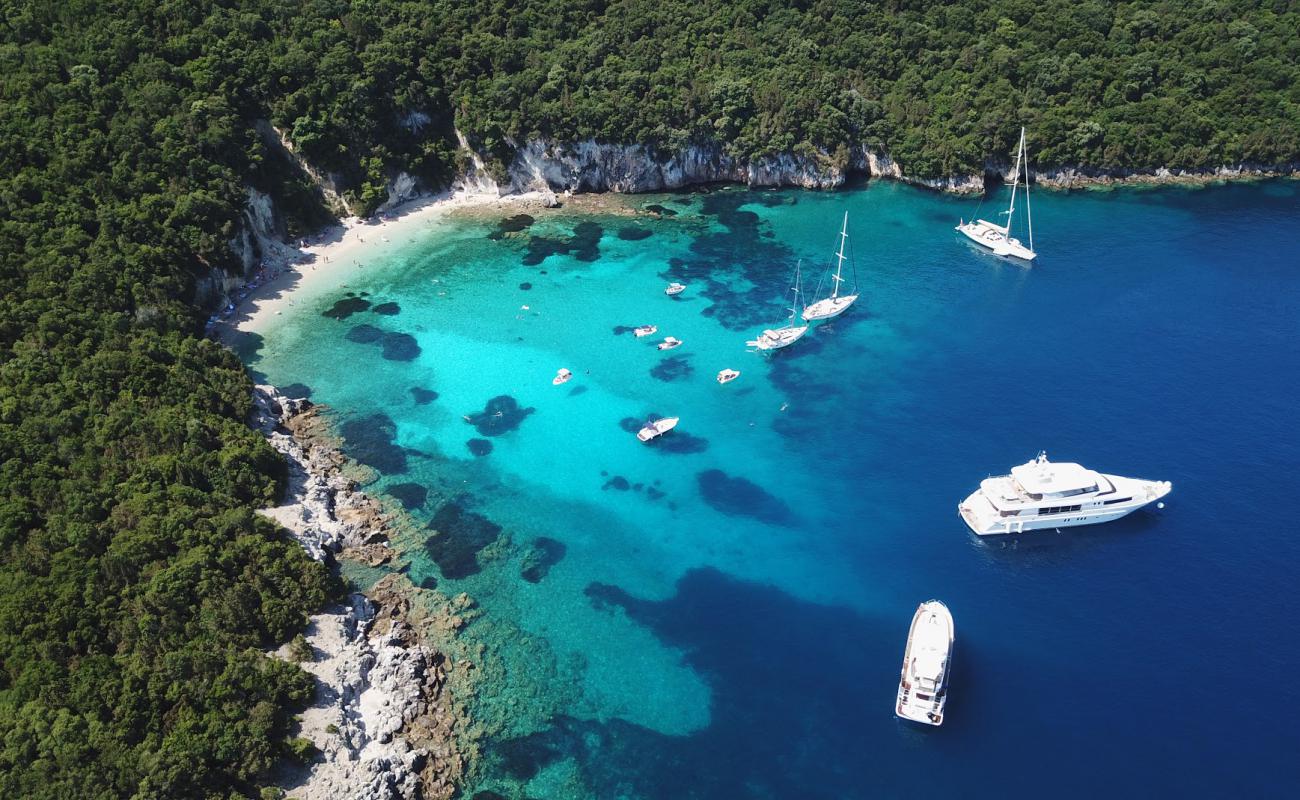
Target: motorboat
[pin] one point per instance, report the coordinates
(997, 238)
(927, 660)
(645, 330)
(836, 303)
(562, 376)
(656, 428)
(675, 289)
(788, 334)
(669, 343)
(1041, 494)
(728, 375)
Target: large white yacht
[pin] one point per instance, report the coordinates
(1041, 494)
(923, 684)
(997, 237)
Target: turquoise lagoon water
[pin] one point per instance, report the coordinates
(721, 614)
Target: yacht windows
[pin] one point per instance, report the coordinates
(1008, 513)
(1117, 500)
(1058, 509)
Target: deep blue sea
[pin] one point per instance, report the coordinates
(722, 614)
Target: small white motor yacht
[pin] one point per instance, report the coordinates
(923, 685)
(669, 343)
(675, 289)
(728, 375)
(657, 428)
(645, 330)
(562, 376)
(1041, 495)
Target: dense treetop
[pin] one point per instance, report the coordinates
(137, 588)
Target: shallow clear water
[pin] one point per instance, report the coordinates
(722, 614)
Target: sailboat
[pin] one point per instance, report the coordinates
(788, 334)
(998, 238)
(837, 303)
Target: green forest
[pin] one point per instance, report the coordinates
(138, 590)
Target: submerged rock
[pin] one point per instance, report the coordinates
(479, 447)
(501, 415)
(410, 495)
(346, 307)
(387, 309)
(544, 553)
(423, 397)
(458, 536)
(742, 497)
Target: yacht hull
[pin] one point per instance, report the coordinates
(984, 520)
(829, 308)
(991, 238)
(927, 660)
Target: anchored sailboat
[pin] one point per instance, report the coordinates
(998, 238)
(788, 334)
(837, 303)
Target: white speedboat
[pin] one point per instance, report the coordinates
(657, 428)
(645, 330)
(669, 343)
(923, 684)
(998, 238)
(728, 375)
(776, 338)
(1041, 494)
(562, 376)
(836, 303)
(675, 289)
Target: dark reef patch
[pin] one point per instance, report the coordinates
(618, 483)
(297, 391)
(634, 424)
(364, 334)
(742, 497)
(619, 330)
(400, 347)
(422, 396)
(346, 307)
(544, 554)
(410, 495)
(513, 224)
(577, 390)
(525, 286)
(428, 582)
(479, 447)
(459, 536)
(655, 208)
(387, 309)
(584, 245)
(634, 233)
(372, 441)
(501, 415)
(673, 368)
(679, 442)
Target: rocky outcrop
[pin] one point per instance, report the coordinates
(1082, 177)
(380, 722)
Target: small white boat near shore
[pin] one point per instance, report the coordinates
(1042, 495)
(562, 376)
(675, 289)
(923, 683)
(645, 330)
(669, 343)
(728, 375)
(657, 428)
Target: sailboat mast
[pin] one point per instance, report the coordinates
(1029, 214)
(1015, 182)
(794, 306)
(839, 265)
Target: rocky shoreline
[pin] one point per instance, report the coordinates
(382, 722)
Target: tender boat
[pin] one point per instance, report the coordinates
(675, 289)
(561, 377)
(1041, 494)
(669, 343)
(728, 375)
(645, 330)
(998, 238)
(836, 303)
(776, 338)
(657, 428)
(923, 685)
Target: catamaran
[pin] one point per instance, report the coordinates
(837, 303)
(998, 238)
(1041, 494)
(923, 684)
(788, 334)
